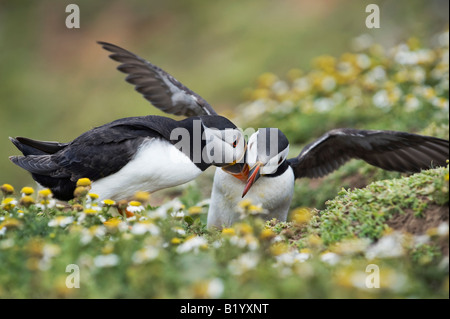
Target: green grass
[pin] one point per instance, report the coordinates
(157, 253)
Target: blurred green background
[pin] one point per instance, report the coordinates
(56, 83)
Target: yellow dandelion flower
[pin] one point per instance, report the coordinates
(112, 222)
(314, 240)
(84, 182)
(267, 233)
(266, 80)
(135, 203)
(260, 93)
(305, 251)
(245, 203)
(93, 196)
(80, 191)
(244, 228)
(9, 203)
(108, 202)
(108, 249)
(142, 197)
(278, 248)
(255, 209)
(228, 231)
(10, 223)
(45, 193)
(175, 241)
(301, 215)
(7, 189)
(26, 201)
(195, 210)
(90, 211)
(27, 190)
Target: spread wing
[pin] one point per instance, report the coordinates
(389, 150)
(157, 86)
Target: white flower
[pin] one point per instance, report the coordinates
(330, 258)
(243, 263)
(387, 246)
(142, 228)
(104, 261)
(145, 254)
(411, 103)
(192, 244)
(61, 221)
(323, 104)
(171, 206)
(215, 288)
(442, 229)
(292, 257)
(381, 100)
(363, 61)
(302, 84)
(280, 87)
(328, 83)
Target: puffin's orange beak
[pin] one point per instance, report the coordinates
(253, 177)
(240, 171)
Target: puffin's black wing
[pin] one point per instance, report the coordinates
(157, 86)
(389, 150)
(99, 152)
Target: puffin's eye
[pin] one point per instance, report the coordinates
(235, 143)
(280, 160)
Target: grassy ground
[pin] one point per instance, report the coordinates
(157, 252)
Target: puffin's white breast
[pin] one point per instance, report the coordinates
(156, 165)
(274, 194)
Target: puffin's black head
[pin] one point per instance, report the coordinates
(267, 151)
(224, 143)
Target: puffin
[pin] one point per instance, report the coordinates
(267, 176)
(146, 153)
(272, 175)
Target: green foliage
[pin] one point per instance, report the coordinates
(166, 251)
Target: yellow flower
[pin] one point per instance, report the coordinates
(228, 231)
(84, 182)
(142, 197)
(7, 189)
(195, 210)
(10, 223)
(244, 228)
(26, 201)
(278, 249)
(267, 233)
(45, 193)
(175, 241)
(325, 62)
(27, 190)
(93, 196)
(90, 211)
(266, 80)
(301, 215)
(260, 93)
(112, 222)
(245, 203)
(135, 203)
(108, 202)
(9, 203)
(80, 191)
